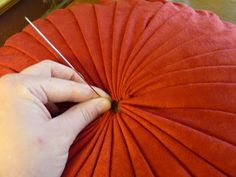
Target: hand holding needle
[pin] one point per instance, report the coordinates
(34, 142)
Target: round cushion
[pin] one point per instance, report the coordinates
(171, 72)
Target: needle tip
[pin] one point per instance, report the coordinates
(26, 18)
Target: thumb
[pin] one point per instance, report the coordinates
(79, 116)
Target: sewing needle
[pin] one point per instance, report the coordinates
(58, 52)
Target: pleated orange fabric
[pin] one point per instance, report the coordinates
(172, 71)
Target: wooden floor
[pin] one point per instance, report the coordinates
(13, 21)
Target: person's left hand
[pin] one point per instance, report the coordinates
(32, 143)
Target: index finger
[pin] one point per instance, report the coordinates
(59, 90)
(48, 68)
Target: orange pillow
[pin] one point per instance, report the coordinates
(172, 71)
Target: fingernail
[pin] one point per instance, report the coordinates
(103, 105)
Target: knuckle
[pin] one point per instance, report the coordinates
(87, 91)
(90, 92)
(73, 90)
(14, 84)
(47, 62)
(9, 79)
(72, 74)
(8, 76)
(88, 114)
(85, 114)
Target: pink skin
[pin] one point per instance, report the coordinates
(32, 143)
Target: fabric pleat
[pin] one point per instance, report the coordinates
(171, 70)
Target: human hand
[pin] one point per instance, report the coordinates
(32, 144)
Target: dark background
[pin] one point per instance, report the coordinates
(13, 21)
